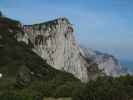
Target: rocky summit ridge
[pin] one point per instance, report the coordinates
(54, 41)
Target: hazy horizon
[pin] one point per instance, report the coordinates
(105, 25)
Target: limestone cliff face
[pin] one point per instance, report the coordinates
(55, 43)
(108, 63)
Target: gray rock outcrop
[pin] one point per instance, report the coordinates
(54, 41)
(108, 63)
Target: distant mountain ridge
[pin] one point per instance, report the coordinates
(106, 62)
(54, 41)
(127, 65)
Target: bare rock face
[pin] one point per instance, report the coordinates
(108, 63)
(55, 43)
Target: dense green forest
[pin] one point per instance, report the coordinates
(108, 88)
(103, 88)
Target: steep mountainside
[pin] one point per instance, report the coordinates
(23, 72)
(54, 41)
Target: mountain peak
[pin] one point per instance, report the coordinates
(63, 19)
(57, 21)
(54, 41)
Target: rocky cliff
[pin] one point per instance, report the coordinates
(24, 74)
(54, 41)
(108, 63)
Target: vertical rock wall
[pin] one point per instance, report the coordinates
(55, 43)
